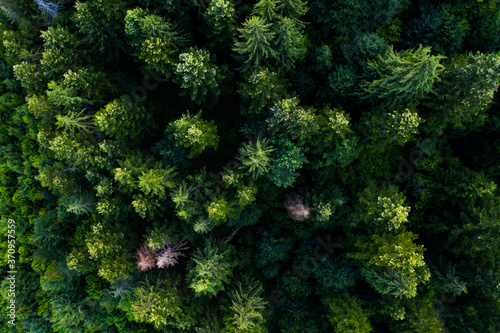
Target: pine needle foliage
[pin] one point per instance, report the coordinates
(256, 46)
(402, 77)
(255, 157)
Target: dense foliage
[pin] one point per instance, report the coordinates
(250, 166)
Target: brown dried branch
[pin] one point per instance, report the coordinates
(146, 259)
(168, 256)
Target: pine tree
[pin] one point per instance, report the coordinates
(12, 10)
(140, 25)
(269, 252)
(209, 268)
(221, 17)
(262, 89)
(340, 17)
(160, 303)
(288, 159)
(389, 282)
(122, 119)
(106, 244)
(203, 225)
(266, 9)
(386, 128)
(220, 210)
(289, 42)
(292, 8)
(59, 51)
(255, 157)
(421, 318)
(256, 46)
(78, 89)
(75, 121)
(298, 122)
(80, 204)
(401, 77)
(99, 26)
(382, 208)
(154, 181)
(194, 133)
(198, 77)
(247, 307)
(402, 260)
(346, 315)
(336, 275)
(465, 91)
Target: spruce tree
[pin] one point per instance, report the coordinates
(255, 157)
(256, 46)
(209, 268)
(247, 307)
(401, 77)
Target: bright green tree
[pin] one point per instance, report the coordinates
(298, 122)
(77, 88)
(154, 181)
(221, 17)
(255, 157)
(198, 77)
(194, 133)
(262, 89)
(220, 211)
(140, 25)
(209, 268)
(389, 282)
(346, 315)
(401, 77)
(382, 208)
(247, 308)
(75, 122)
(388, 128)
(266, 9)
(159, 302)
(106, 244)
(398, 256)
(122, 119)
(59, 51)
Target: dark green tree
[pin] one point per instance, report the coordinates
(288, 159)
(289, 42)
(256, 46)
(465, 91)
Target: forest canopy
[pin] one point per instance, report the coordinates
(250, 166)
